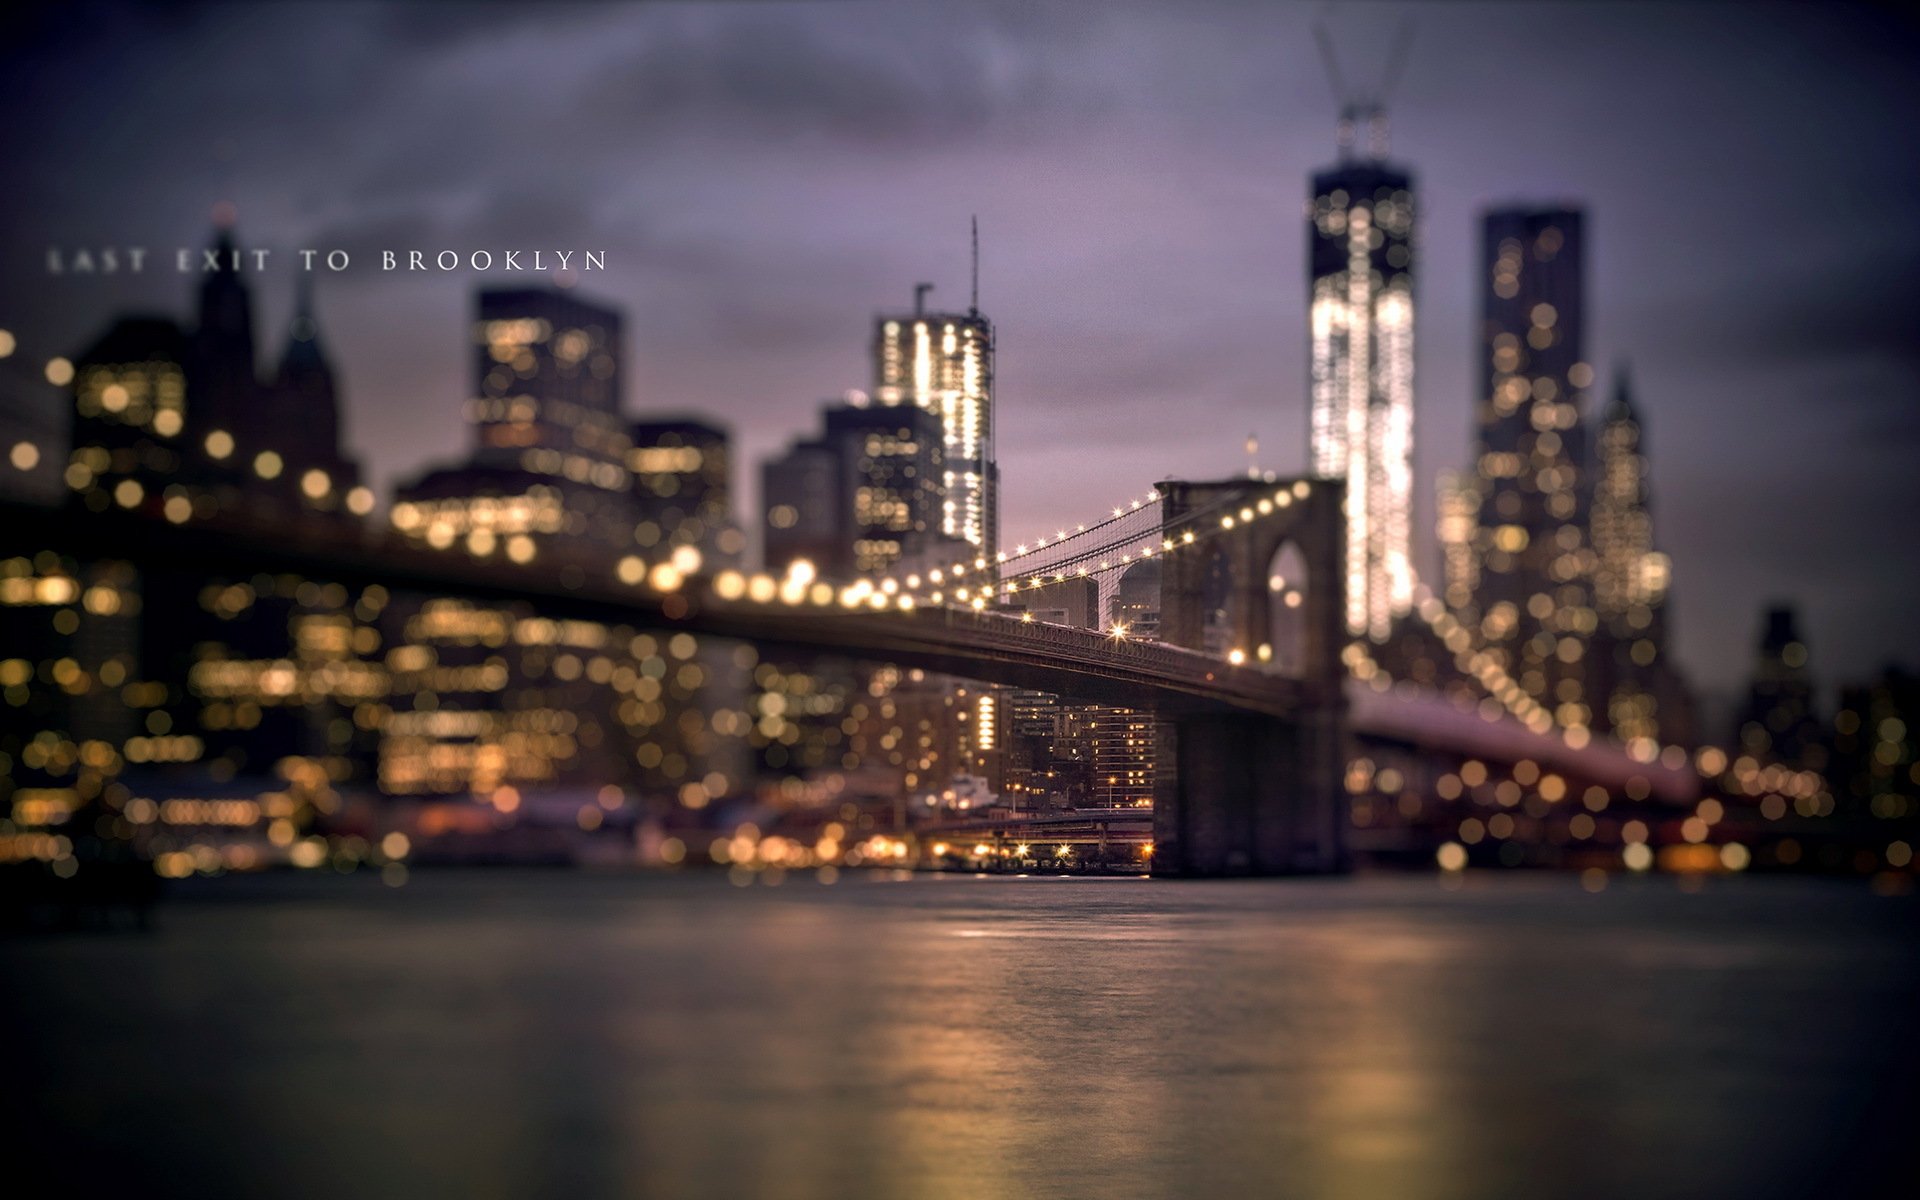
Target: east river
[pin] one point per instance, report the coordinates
(534, 1034)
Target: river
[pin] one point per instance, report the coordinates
(529, 1033)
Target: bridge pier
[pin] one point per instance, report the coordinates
(1245, 794)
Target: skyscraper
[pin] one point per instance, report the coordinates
(1636, 690)
(682, 489)
(943, 363)
(549, 467)
(1533, 603)
(1627, 571)
(1778, 723)
(491, 696)
(1360, 256)
(800, 501)
(862, 498)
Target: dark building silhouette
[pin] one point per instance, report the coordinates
(682, 488)
(236, 693)
(1779, 721)
(188, 411)
(223, 356)
(801, 496)
(1875, 767)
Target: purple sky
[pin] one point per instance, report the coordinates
(765, 177)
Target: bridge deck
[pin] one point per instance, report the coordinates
(991, 646)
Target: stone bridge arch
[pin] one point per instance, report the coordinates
(1246, 794)
(1267, 519)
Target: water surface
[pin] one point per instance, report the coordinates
(516, 1034)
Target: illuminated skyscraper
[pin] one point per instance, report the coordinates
(1533, 601)
(943, 363)
(1629, 575)
(495, 696)
(1360, 255)
(864, 497)
(549, 468)
(1634, 686)
(890, 458)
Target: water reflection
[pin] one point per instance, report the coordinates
(517, 1034)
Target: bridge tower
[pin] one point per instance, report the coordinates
(1246, 793)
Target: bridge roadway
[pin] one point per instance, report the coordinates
(1086, 821)
(993, 647)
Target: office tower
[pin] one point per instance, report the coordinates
(548, 473)
(800, 496)
(682, 488)
(305, 428)
(1360, 223)
(863, 497)
(890, 463)
(127, 421)
(1628, 573)
(222, 355)
(493, 696)
(943, 363)
(1636, 689)
(1876, 744)
(1532, 603)
(891, 460)
(1778, 722)
(547, 376)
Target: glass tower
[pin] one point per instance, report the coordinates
(1360, 255)
(943, 363)
(1534, 599)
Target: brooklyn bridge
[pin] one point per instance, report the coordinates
(1255, 740)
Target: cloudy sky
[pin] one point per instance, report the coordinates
(765, 177)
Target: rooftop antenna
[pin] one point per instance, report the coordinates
(1356, 105)
(1341, 100)
(973, 308)
(920, 291)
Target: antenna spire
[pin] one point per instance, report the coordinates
(974, 305)
(1358, 106)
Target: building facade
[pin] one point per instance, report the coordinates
(1360, 244)
(1533, 601)
(943, 363)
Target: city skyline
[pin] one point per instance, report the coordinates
(863, 598)
(1053, 379)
